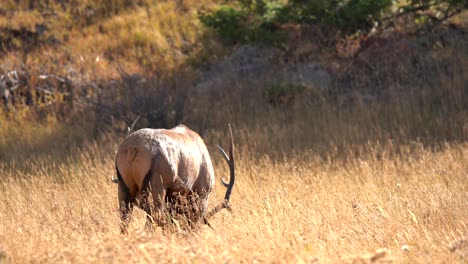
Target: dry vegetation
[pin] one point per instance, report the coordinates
(372, 183)
(300, 209)
(96, 39)
(328, 178)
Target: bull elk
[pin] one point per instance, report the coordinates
(168, 163)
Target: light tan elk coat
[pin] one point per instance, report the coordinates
(166, 162)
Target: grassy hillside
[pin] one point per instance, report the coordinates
(87, 42)
(96, 37)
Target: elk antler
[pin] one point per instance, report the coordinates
(129, 131)
(130, 128)
(230, 161)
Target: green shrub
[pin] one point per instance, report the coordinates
(249, 22)
(227, 21)
(360, 14)
(260, 21)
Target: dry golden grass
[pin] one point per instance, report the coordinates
(99, 38)
(301, 209)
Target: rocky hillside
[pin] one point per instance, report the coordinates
(105, 64)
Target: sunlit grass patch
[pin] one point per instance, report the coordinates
(141, 37)
(406, 208)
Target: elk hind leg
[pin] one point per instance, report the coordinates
(145, 203)
(158, 191)
(125, 206)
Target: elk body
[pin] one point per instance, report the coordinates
(168, 163)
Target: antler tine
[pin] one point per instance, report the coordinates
(130, 128)
(227, 160)
(231, 147)
(230, 161)
(224, 153)
(231, 167)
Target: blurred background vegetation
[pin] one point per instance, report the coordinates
(75, 71)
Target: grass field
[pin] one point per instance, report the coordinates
(409, 208)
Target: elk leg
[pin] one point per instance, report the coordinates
(149, 217)
(198, 202)
(203, 205)
(159, 197)
(125, 206)
(145, 204)
(203, 210)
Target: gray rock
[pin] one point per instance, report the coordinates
(311, 75)
(253, 66)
